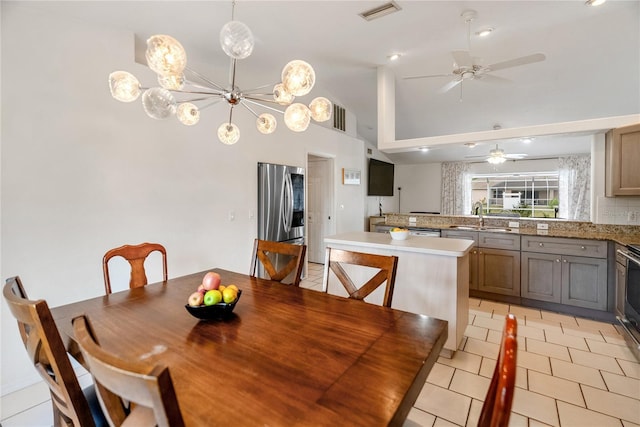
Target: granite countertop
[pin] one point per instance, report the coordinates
(622, 234)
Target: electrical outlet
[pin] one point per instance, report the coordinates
(514, 224)
(542, 232)
(232, 215)
(632, 216)
(543, 226)
(412, 219)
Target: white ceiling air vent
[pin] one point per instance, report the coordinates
(380, 11)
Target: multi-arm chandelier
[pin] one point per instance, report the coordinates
(180, 88)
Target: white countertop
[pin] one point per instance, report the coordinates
(418, 244)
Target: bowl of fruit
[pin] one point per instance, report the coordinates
(212, 299)
(398, 233)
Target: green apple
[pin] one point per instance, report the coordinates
(212, 297)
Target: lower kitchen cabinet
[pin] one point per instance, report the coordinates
(584, 282)
(541, 276)
(499, 271)
(556, 275)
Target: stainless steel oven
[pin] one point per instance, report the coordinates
(630, 320)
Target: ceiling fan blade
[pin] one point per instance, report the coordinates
(462, 58)
(449, 86)
(515, 156)
(523, 60)
(427, 76)
(488, 78)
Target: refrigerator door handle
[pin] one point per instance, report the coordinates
(287, 212)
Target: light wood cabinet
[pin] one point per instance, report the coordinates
(622, 157)
(499, 271)
(553, 272)
(494, 261)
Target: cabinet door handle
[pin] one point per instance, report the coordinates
(583, 247)
(564, 260)
(475, 252)
(541, 244)
(558, 260)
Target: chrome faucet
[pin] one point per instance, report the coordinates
(478, 210)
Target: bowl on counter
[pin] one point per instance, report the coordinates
(399, 235)
(215, 311)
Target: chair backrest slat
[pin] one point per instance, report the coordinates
(266, 252)
(387, 264)
(148, 387)
(48, 354)
(136, 256)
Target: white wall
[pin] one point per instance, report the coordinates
(83, 173)
(421, 184)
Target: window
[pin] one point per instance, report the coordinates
(527, 194)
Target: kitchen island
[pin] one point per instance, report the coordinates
(432, 276)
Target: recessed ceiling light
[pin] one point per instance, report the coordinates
(424, 149)
(594, 2)
(484, 32)
(394, 56)
(470, 144)
(527, 139)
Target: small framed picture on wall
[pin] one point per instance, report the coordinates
(350, 176)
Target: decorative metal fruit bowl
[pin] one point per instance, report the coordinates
(215, 311)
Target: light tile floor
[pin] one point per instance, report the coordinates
(572, 372)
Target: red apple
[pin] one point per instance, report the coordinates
(211, 281)
(196, 299)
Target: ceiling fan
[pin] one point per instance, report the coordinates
(497, 156)
(467, 68)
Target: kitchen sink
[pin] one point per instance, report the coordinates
(478, 228)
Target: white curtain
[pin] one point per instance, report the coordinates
(574, 182)
(456, 188)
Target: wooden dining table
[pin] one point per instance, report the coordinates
(286, 356)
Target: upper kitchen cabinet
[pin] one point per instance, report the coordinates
(622, 159)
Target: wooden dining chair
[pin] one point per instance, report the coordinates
(496, 409)
(135, 255)
(266, 252)
(131, 392)
(72, 406)
(387, 265)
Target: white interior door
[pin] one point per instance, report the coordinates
(319, 202)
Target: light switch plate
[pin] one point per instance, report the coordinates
(543, 226)
(412, 219)
(514, 224)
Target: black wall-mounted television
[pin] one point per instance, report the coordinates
(380, 181)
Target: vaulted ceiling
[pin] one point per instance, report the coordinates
(591, 70)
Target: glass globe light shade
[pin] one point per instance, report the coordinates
(266, 123)
(228, 133)
(298, 77)
(124, 86)
(495, 160)
(236, 40)
(321, 109)
(188, 114)
(297, 117)
(281, 96)
(165, 55)
(158, 103)
(171, 81)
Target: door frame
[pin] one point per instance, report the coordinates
(329, 181)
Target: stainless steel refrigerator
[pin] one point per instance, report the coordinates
(281, 210)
